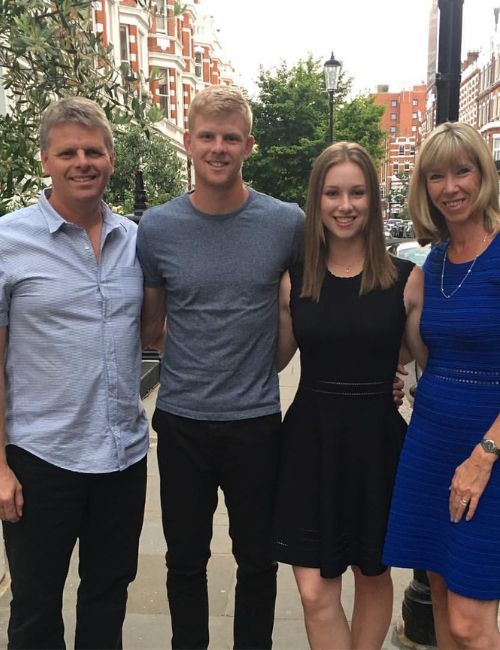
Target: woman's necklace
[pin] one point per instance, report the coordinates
(467, 273)
(352, 265)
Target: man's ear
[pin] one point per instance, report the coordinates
(249, 146)
(44, 159)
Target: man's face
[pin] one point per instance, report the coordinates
(218, 145)
(79, 164)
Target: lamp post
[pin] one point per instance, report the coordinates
(140, 198)
(331, 70)
(449, 63)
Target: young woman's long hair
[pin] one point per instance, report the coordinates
(378, 270)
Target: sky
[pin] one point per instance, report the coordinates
(378, 41)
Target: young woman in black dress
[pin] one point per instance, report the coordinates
(350, 307)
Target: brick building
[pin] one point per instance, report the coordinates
(400, 120)
(480, 93)
(479, 102)
(182, 49)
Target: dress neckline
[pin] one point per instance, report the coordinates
(344, 277)
(459, 264)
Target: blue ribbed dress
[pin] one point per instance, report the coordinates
(458, 398)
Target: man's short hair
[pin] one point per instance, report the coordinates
(76, 110)
(220, 100)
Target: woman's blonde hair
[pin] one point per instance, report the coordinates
(378, 270)
(445, 147)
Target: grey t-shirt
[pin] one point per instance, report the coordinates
(221, 276)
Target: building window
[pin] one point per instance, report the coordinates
(141, 54)
(393, 129)
(164, 92)
(124, 47)
(496, 147)
(407, 167)
(401, 150)
(413, 128)
(412, 150)
(394, 102)
(198, 62)
(394, 116)
(414, 102)
(414, 115)
(161, 15)
(395, 168)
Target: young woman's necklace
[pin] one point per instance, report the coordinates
(467, 273)
(348, 269)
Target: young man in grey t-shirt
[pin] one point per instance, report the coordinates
(212, 261)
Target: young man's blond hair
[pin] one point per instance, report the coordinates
(220, 100)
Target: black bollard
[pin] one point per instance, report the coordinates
(417, 610)
(140, 198)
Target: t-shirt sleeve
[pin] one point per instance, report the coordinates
(147, 257)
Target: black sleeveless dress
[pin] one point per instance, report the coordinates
(342, 433)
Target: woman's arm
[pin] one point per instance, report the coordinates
(412, 346)
(286, 340)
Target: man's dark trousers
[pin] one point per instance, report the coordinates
(196, 457)
(105, 512)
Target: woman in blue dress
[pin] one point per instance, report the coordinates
(445, 512)
(348, 307)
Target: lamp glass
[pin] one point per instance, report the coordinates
(331, 70)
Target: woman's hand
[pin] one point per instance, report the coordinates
(468, 484)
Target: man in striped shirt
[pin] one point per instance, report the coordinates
(73, 434)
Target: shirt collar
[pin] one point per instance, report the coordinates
(55, 221)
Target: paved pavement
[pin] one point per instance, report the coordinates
(147, 626)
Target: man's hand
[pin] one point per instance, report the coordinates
(398, 385)
(11, 496)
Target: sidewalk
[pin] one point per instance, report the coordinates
(147, 626)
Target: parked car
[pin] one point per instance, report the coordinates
(411, 250)
(396, 227)
(408, 230)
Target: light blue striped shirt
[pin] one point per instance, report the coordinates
(73, 354)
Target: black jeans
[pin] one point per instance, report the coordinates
(105, 512)
(195, 458)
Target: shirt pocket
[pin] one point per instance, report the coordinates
(131, 281)
(123, 292)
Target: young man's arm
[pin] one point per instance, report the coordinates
(11, 492)
(153, 323)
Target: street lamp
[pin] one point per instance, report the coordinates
(331, 70)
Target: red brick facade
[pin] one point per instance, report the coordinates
(180, 52)
(401, 119)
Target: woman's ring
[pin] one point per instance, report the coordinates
(463, 502)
